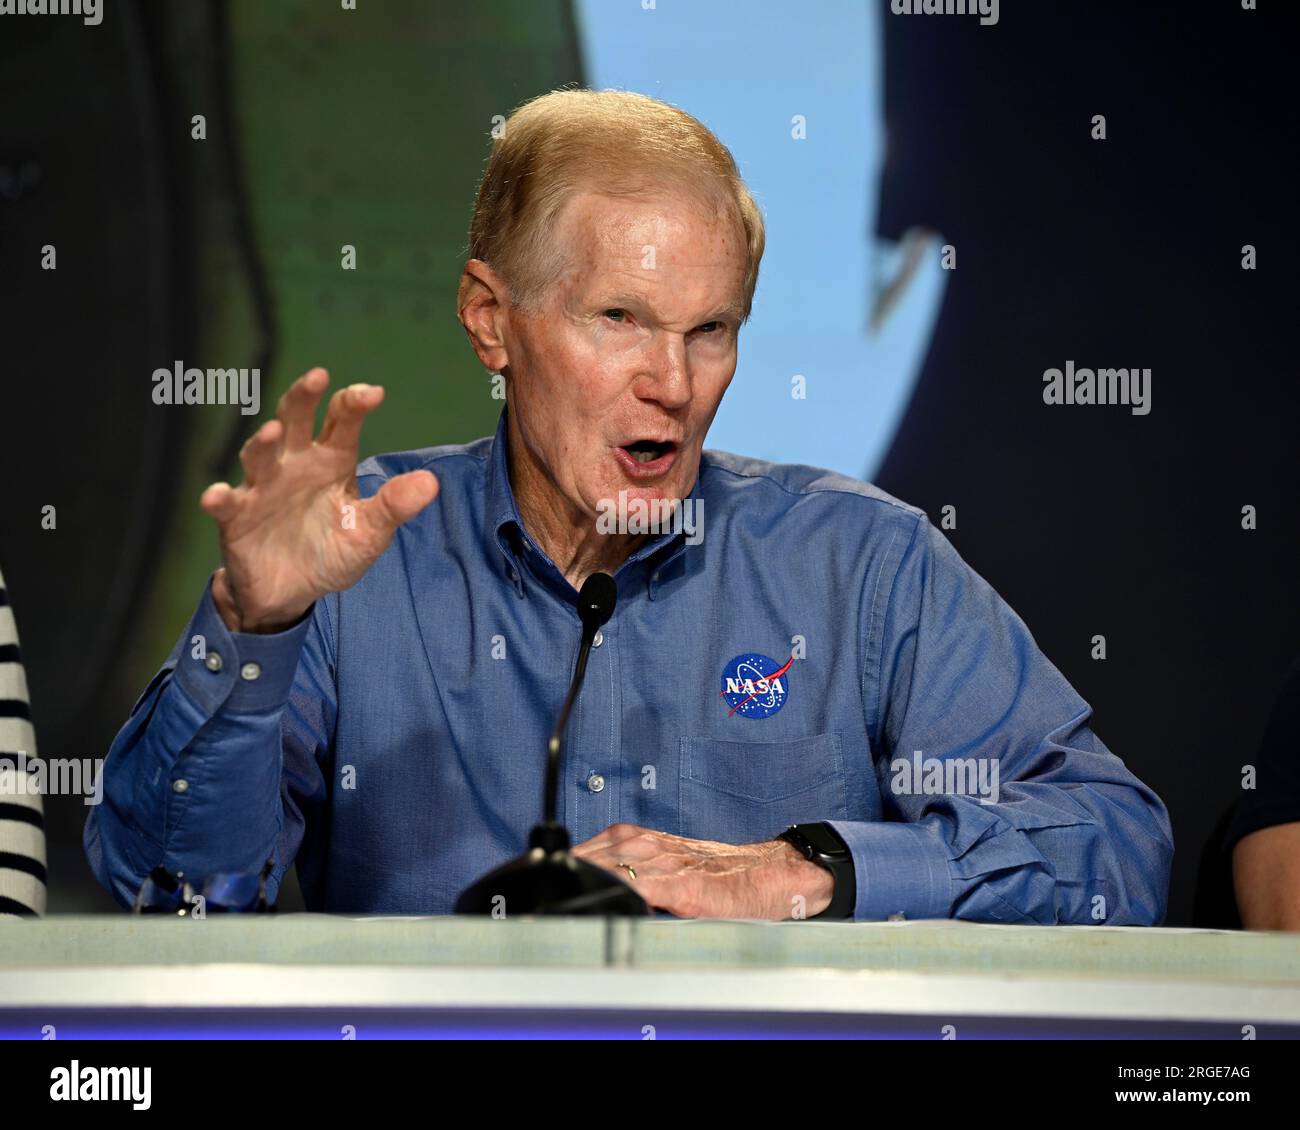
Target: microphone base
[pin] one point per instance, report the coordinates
(549, 879)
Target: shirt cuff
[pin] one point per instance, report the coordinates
(900, 869)
(243, 672)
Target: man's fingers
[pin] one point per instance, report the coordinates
(221, 501)
(347, 412)
(261, 452)
(608, 859)
(401, 499)
(636, 850)
(661, 892)
(297, 408)
(614, 834)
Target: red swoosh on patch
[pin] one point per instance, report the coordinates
(777, 675)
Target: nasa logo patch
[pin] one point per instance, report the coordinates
(755, 686)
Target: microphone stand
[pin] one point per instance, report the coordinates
(548, 878)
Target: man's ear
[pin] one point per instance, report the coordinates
(481, 301)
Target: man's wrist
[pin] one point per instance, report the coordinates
(224, 600)
(824, 847)
(806, 887)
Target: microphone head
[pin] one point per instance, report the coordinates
(597, 599)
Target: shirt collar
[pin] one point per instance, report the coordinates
(506, 530)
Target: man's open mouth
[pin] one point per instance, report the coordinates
(648, 450)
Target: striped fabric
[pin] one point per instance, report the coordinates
(22, 826)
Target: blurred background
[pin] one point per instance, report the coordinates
(200, 165)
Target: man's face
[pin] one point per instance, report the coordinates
(614, 382)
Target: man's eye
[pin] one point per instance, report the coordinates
(708, 327)
(615, 313)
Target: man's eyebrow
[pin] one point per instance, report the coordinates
(625, 298)
(732, 308)
(622, 298)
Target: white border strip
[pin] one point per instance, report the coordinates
(692, 990)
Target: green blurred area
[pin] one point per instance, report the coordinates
(367, 128)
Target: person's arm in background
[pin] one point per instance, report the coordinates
(222, 753)
(1266, 829)
(1073, 836)
(1266, 877)
(22, 824)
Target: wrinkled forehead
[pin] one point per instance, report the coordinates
(637, 231)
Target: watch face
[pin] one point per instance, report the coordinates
(822, 839)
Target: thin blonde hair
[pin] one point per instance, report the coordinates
(615, 141)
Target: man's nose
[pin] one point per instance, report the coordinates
(666, 377)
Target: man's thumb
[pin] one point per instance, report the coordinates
(401, 499)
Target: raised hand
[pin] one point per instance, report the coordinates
(296, 528)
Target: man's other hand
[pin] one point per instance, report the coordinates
(704, 879)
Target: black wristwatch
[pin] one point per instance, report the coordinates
(822, 844)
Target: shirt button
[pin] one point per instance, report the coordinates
(600, 638)
(250, 671)
(596, 783)
(213, 661)
(181, 786)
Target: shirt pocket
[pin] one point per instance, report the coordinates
(748, 791)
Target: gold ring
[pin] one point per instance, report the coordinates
(630, 869)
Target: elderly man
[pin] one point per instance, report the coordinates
(772, 717)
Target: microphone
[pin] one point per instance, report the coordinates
(595, 606)
(548, 878)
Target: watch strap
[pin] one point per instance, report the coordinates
(831, 852)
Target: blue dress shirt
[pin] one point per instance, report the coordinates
(392, 744)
